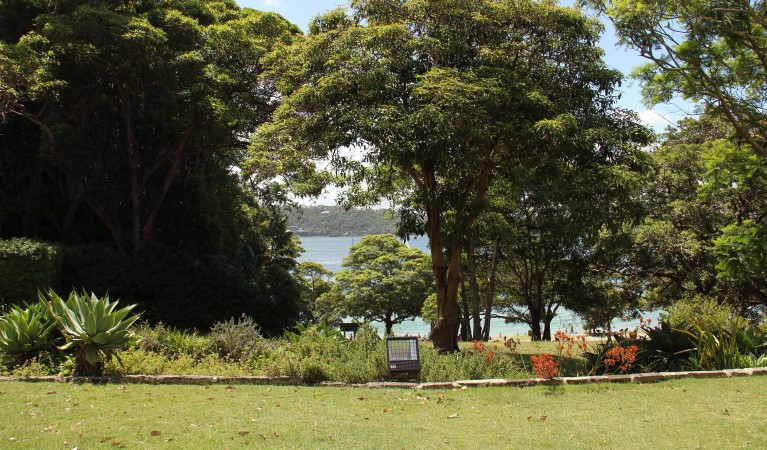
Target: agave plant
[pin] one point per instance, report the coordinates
(94, 326)
(25, 331)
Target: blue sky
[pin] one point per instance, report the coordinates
(300, 12)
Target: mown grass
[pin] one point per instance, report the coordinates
(694, 413)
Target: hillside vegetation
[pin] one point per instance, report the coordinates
(336, 221)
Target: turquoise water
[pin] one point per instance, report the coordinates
(331, 250)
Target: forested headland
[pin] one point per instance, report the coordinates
(338, 221)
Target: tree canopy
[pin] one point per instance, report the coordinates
(713, 52)
(427, 103)
(382, 280)
(121, 128)
(113, 100)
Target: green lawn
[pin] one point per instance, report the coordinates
(695, 413)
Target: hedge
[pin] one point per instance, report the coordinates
(26, 266)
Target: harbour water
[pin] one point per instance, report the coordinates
(331, 250)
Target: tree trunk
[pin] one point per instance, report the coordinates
(474, 287)
(490, 291)
(535, 325)
(447, 280)
(547, 329)
(465, 328)
(389, 324)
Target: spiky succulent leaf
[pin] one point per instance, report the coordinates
(94, 325)
(24, 330)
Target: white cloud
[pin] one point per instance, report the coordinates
(654, 119)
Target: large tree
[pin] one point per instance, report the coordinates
(427, 102)
(712, 51)
(382, 279)
(111, 100)
(703, 238)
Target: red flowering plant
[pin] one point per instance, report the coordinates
(619, 356)
(544, 366)
(620, 359)
(479, 347)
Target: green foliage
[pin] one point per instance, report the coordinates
(706, 51)
(732, 345)
(235, 340)
(662, 348)
(171, 91)
(27, 266)
(383, 280)
(443, 100)
(26, 331)
(742, 253)
(707, 312)
(466, 365)
(318, 330)
(702, 238)
(172, 343)
(176, 287)
(315, 281)
(94, 326)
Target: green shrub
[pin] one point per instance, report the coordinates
(704, 311)
(136, 361)
(235, 340)
(466, 365)
(733, 345)
(172, 343)
(27, 266)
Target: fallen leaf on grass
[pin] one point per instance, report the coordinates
(155, 433)
(105, 439)
(262, 436)
(276, 434)
(453, 416)
(229, 388)
(118, 444)
(361, 398)
(211, 398)
(244, 433)
(543, 418)
(121, 388)
(52, 392)
(385, 410)
(571, 437)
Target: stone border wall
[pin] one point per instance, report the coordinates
(463, 384)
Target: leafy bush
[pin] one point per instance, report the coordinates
(235, 340)
(466, 365)
(27, 266)
(733, 345)
(136, 361)
(666, 348)
(704, 311)
(172, 343)
(662, 348)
